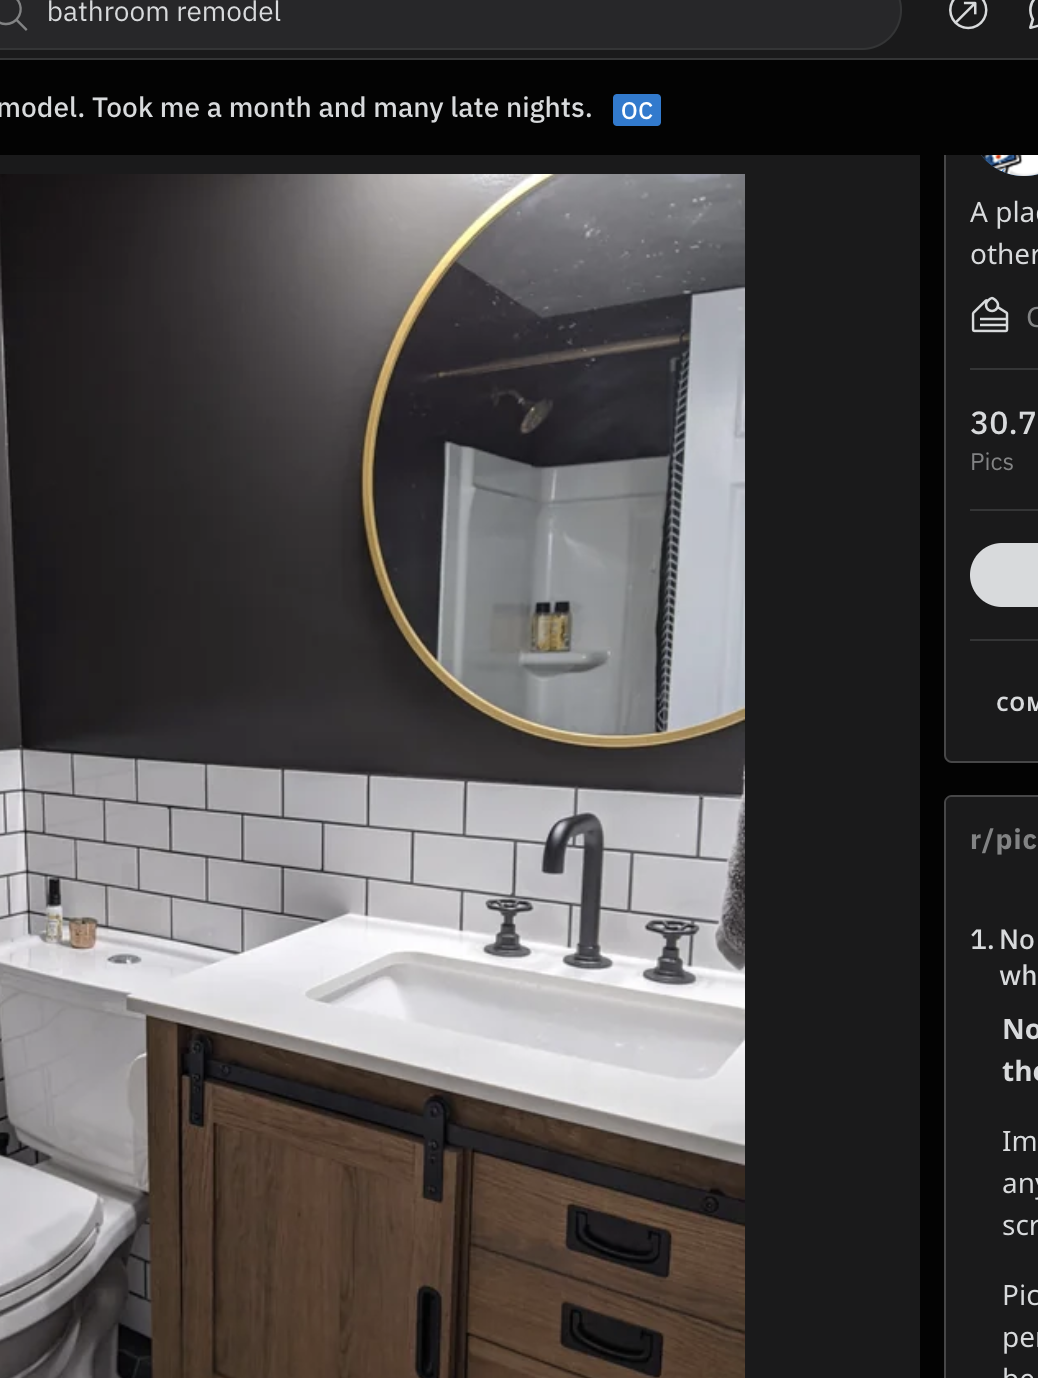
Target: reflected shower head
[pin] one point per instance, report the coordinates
(533, 412)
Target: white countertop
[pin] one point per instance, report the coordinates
(262, 996)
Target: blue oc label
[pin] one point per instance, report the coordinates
(636, 109)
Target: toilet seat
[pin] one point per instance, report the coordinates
(50, 1226)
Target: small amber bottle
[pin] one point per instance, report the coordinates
(540, 627)
(560, 627)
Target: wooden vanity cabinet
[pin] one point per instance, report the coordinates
(308, 1248)
(290, 1241)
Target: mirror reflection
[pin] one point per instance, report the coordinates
(559, 476)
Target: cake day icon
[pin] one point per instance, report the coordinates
(1016, 164)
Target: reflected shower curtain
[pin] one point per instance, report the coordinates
(671, 541)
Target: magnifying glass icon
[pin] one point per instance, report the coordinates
(6, 8)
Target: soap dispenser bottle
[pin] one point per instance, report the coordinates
(54, 930)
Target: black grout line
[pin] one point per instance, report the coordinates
(699, 828)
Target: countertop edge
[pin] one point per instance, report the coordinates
(607, 1121)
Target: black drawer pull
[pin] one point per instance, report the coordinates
(604, 1337)
(427, 1334)
(618, 1240)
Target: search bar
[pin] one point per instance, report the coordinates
(470, 24)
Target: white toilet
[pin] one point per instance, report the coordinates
(74, 1063)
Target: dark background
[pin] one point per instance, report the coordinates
(991, 893)
(190, 362)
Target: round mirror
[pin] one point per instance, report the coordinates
(554, 477)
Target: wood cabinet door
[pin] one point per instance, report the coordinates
(309, 1250)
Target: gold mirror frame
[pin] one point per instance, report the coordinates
(371, 527)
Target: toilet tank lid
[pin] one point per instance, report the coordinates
(104, 967)
(45, 1219)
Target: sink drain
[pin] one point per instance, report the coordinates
(123, 957)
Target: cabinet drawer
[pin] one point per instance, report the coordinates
(490, 1361)
(670, 1257)
(584, 1329)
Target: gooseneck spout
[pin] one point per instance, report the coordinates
(588, 952)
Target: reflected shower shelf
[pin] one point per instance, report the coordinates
(547, 663)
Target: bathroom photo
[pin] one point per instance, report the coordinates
(372, 774)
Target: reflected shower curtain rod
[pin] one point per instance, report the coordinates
(561, 356)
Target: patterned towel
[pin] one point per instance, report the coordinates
(731, 931)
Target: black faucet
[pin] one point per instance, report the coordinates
(588, 953)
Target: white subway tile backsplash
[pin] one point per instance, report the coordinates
(719, 819)
(168, 873)
(14, 811)
(171, 782)
(139, 912)
(10, 770)
(545, 923)
(377, 852)
(686, 888)
(33, 812)
(5, 906)
(135, 1275)
(70, 816)
(318, 895)
(37, 888)
(623, 934)
(253, 887)
(209, 834)
(16, 926)
(82, 900)
(267, 928)
(283, 842)
(18, 892)
(12, 853)
(644, 822)
(705, 954)
(52, 856)
(106, 863)
(402, 802)
(141, 1246)
(463, 863)
(210, 925)
(47, 770)
(142, 825)
(414, 903)
(105, 777)
(136, 1314)
(327, 798)
(244, 789)
(516, 811)
(531, 882)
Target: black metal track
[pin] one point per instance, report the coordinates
(436, 1129)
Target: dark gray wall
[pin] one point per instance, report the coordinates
(10, 725)
(190, 365)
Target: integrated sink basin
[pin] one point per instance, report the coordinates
(671, 1035)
